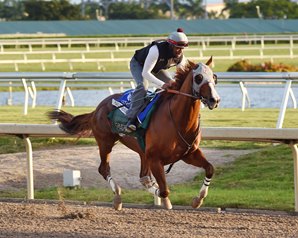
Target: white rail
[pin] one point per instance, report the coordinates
(99, 61)
(288, 136)
(123, 80)
(125, 41)
(285, 78)
(227, 48)
(28, 82)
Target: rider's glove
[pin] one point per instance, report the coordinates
(166, 86)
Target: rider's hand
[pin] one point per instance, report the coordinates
(166, 86)
(170, 85)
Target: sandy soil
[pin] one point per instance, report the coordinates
(59, 220)
(49, 165)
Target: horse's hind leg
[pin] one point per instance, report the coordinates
(199, 160)
(105, 149)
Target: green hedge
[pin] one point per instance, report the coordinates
(246, 66)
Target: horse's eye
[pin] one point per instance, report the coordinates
(215, 78)
(199, 78)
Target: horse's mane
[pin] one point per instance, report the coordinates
(179, 78)
(181, 74)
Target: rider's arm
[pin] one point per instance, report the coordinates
(149, 64)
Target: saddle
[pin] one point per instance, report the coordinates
(119, 119)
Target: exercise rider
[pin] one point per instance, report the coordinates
(151, 64)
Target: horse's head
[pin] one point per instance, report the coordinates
(204, 81)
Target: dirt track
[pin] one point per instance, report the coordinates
(49, 164)
(60, 220)
(125, 165)
(54, 220)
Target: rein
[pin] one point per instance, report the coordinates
(181, 93)
(189, 146)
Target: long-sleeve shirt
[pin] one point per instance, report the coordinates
(151, 61)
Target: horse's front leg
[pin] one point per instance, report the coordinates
(199, 160)
(147, 180)
(145, 173)
(161, 189)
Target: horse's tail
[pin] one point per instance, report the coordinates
(74, 125)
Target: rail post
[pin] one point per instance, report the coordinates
(30, 183)
(284, 104)
(26, 96)
(295, 157)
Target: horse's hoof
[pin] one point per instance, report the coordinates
(167, 203)
(197, 202)
(117, 202)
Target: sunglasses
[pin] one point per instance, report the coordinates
(181, 44)
(178, 44)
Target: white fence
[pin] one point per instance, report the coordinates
(287, 136)
(65, 81)
(56, 49)
(126, 41)
(203, 54)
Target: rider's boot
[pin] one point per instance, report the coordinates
(130, 126)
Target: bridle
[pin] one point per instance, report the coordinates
(183, 94)
(195, 95)
(189, 145)
(198, 80)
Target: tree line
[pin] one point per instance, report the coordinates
(20, 10)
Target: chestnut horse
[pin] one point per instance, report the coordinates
(173, 133)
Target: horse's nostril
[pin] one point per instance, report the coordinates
(212, 100)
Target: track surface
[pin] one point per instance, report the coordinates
(49, 164)
(60, 220)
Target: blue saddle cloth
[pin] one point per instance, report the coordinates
(119, 119)
(125, 100)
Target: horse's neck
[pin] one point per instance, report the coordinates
(185, 109)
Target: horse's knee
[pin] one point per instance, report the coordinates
(209, 170)
(104, 171)
(164, 194)
(100, 170)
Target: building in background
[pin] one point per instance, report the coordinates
(215, 10)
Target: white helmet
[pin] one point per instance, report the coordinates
(178, 39)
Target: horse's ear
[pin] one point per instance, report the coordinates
(209, 61)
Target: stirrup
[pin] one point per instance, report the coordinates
(130, 127)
